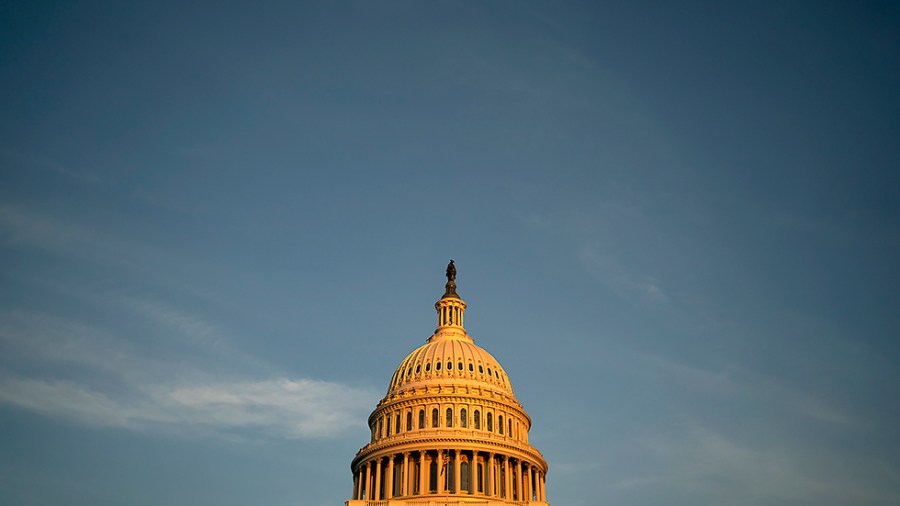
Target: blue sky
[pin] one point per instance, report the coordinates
(223, 225)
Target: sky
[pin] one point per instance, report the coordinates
(224, 224)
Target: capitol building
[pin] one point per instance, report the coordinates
(449, 431)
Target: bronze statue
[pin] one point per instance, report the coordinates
(451, 281)
(451, 271)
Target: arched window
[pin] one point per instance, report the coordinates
(509, 426)
(490, 422)
(449, 417)
(388, 431)
(463, 422)
(477, 419)
(397, 423)
(409, 420)
(379, 428)
(434, 417)
(421, 418)
(500, 423)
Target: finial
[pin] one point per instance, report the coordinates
(451, 281)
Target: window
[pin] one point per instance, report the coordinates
(379, 427)
(417, 368)
(480, 478)
(459, 366)
(388, 423)
(437, 366)
(434, 417)
(470, 367)
(509, 426)
(421, 418)
(397, 424)
(409, 420)
(428, 367)
(500, 423)
(463, 422)
(480, 369)
(449, 365)
(449, 417)
(477, 419)
(489, 371)
(490, 422)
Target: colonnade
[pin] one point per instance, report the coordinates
(464, 472)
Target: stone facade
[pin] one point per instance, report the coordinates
(450, 430)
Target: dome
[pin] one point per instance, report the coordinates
(449, 361)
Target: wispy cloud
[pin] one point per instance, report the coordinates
(692, 456)
(277, 408)
(619, 279)
(113, 385)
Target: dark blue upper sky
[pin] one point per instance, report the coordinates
(223, 225)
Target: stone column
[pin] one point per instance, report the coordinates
(530, 483)
(404, 482)
(473, 473)
(389, 480)
(369, 480)
(422, 472)
(456, 474)
(377, 487)
(440, 471)
(518, 480)
(489, 478)
(507, 479)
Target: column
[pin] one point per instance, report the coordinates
(518, 480)
(530, 492)
(404, 482)
(489, 477)
(507, 479)
(456, 474)
(377, 487)
(543, 487)
(473, 473)
(440, 470)
(369, 480)
(422, 472)
(389, 480)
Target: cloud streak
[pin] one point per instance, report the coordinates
(112, 385)
(277, 408)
